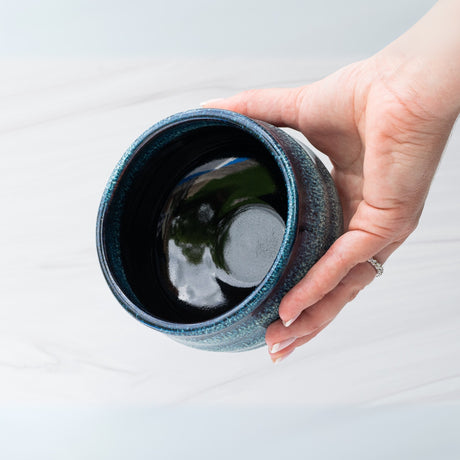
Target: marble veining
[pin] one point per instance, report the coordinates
(64, 338)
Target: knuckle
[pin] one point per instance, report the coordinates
(341, 259)
(412, 225)
(293, 110)
(352, 295)
(403, 227)
(245, 98)
(353, 283)
(250, 93)
(317, 320)
(314, 324)
(392, 223)
(319, 289)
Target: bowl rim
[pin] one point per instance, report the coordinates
(253, 127)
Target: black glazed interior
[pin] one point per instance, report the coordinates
(200, 222)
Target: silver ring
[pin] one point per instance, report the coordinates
(377, 265)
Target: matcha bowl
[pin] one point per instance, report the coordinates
(208, 219)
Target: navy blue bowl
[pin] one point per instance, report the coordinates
(208, 220)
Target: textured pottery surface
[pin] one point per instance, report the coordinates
(313, 221)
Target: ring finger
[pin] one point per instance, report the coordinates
(315, 318)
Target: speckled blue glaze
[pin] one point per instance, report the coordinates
(313, 223)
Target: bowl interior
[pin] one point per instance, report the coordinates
(197, 219)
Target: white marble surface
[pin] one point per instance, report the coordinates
(65, 341)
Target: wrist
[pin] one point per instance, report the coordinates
(428, 58)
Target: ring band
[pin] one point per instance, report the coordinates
(377, 265)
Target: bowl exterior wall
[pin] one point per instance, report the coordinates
(317, 224)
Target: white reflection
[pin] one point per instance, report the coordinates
(195, 283)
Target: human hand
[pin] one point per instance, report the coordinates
(383, 123)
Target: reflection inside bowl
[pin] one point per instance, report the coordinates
(202, 220)
(219, 232)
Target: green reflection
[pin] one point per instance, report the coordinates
(219, 213)
(200, 202)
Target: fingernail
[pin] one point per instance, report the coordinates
(211, 101)
(288, 323)
(277, 360)
(282, 345)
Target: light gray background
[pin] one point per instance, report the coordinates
(267, 28)
(79, 377)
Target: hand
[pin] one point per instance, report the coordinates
(382, 125)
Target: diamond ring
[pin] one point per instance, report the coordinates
(377, 265)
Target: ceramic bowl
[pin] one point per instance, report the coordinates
(208, 220)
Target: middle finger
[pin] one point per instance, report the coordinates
(324, 311)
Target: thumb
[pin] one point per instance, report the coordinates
(278, 106)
